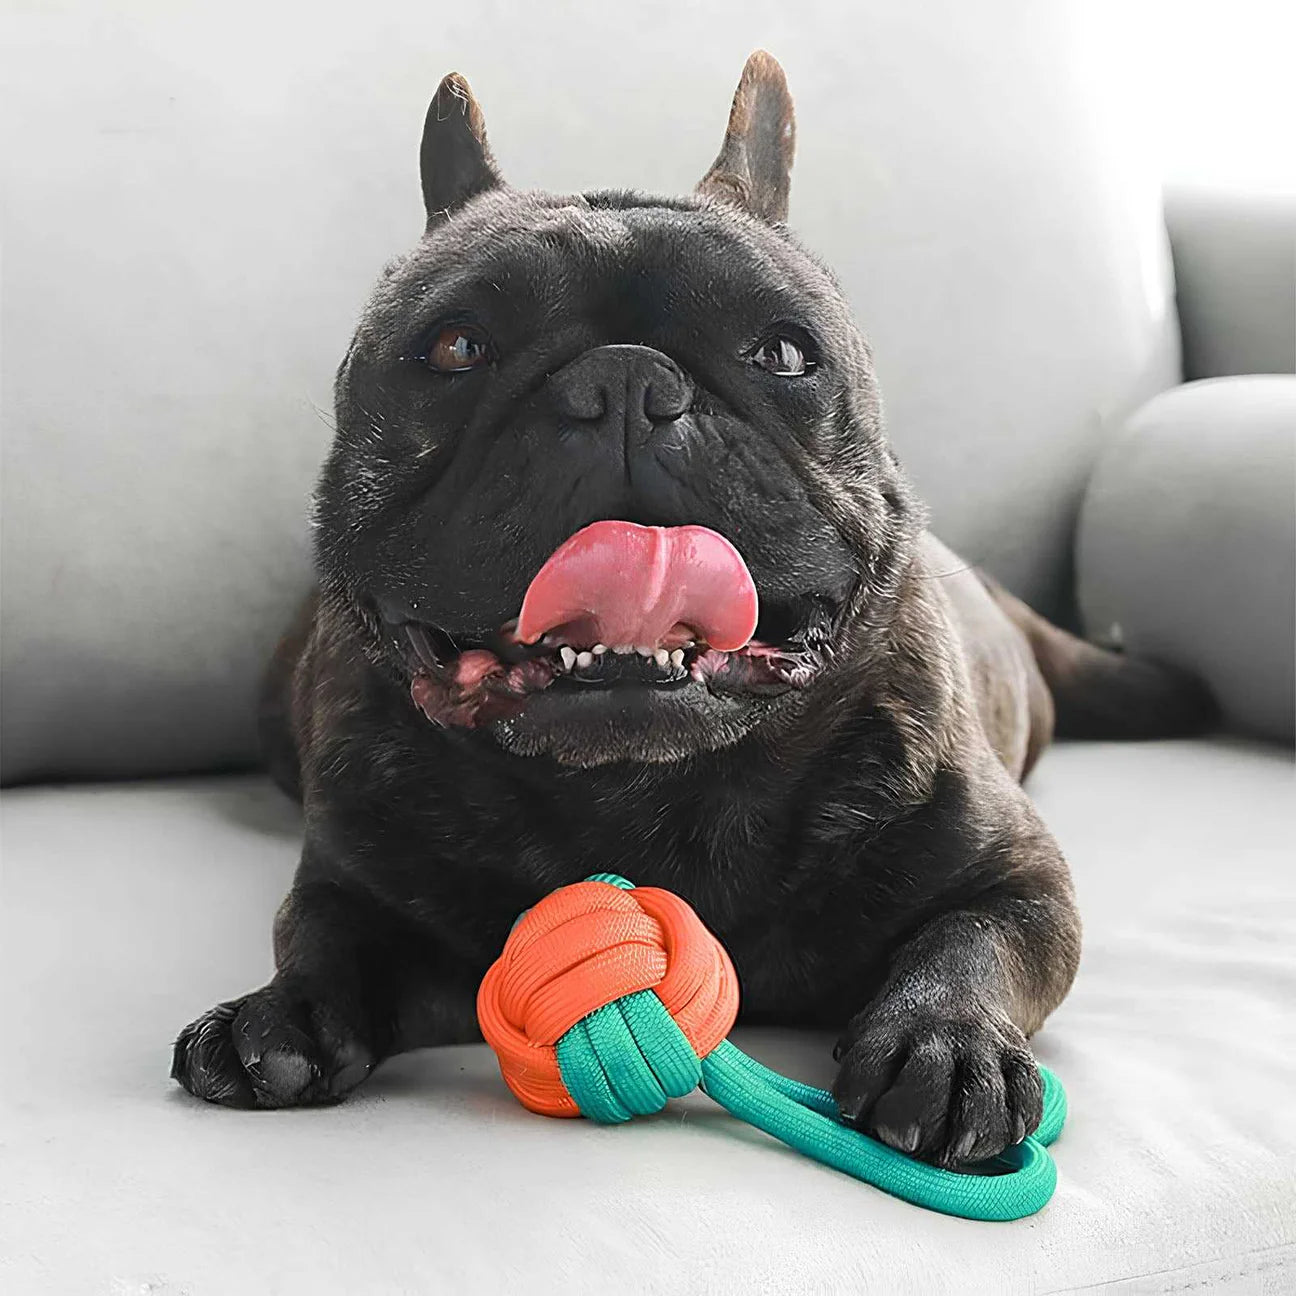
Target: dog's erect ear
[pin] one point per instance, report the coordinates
(755, 162)
(454, 159)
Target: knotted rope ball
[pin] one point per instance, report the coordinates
(609, 999)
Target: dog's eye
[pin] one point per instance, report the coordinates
(458, 347)
(782, 357)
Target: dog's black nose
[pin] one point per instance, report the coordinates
(628, 388)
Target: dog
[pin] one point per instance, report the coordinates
(617, 573)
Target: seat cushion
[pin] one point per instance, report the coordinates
(128, 909)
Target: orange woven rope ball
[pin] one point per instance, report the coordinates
(584, 946)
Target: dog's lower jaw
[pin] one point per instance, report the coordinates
(479, 688)
(630, 725)
(546, 704)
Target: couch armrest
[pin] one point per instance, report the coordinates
(1235, 269)
(1186, 546)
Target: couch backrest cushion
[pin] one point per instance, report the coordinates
(1235, 277)
(197, 200)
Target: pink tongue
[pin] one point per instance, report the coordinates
(621, 583)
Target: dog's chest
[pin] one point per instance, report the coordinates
(805, 901)
(800, 918)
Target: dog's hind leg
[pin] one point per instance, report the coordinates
(1103, 693)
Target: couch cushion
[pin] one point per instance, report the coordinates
(197, 201)
(1235, 279)
(130, 909)
(1187, 542)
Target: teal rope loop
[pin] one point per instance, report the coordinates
(629, 1058)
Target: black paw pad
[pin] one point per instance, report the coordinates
(270, 1049)
(948, 1090)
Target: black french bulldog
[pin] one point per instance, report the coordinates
(618, 573)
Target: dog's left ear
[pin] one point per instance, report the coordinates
(455, 160)
(754, 168)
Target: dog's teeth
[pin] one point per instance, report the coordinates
(599, 649)
(568, 657)
(584, 659)
(662, 658)
(644, 650)
(622, 650)
(677, 658)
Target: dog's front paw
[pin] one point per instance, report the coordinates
(273, 1048)
(946, 1088)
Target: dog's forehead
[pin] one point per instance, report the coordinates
(508, 218)
(508, 230)
(561, 253)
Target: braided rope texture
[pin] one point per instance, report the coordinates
(609, 999)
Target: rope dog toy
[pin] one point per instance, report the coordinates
(610, 999)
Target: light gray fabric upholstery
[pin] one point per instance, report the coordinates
(1235, 271)
(129, 909)
(198, 198)
(1187, 542)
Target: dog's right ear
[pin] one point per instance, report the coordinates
(454, 159)
(755, 160)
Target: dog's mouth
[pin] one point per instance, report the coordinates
(619, 606)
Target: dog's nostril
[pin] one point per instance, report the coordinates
(666, 397)
(585, 401)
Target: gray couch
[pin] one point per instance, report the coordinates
(195, 206)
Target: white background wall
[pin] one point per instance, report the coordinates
(1212, 85)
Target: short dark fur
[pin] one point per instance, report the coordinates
(860, 843)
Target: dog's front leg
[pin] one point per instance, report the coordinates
(937, 1065)
(352, 986)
